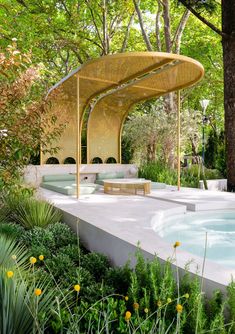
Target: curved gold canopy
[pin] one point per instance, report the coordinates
(110, 85)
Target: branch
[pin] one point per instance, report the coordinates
(145, 36)
(202, 19)
(77, 54)
(92, 41)
(96, 27)
(66, 8)
(124, 44)
(179, 30)
(21, 2)
(112, 23)
(105, 33)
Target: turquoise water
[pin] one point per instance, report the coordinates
(190, 229)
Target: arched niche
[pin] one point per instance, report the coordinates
(97, 160)
(111, 160)
(52, 161)
(69, 160)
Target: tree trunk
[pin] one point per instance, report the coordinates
(180, 30)
(228, 41)
(158, 27)
(124, 44)
(151, 152)
(144, 34)
(167, 25)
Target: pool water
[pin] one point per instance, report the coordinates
(190, 229)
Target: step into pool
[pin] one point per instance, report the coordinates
(190, 229)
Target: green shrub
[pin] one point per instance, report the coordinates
(49, 241)
(9, 203)
(158, 172)
(73, 251)
(59, 265)
(11, 230)
(31, 213)
(119, 279)
(82, 277)
(62, 235)
(190, 176)
(40, 241)
(94, 292)
(64, 271)
(231, 302)
(97, 264)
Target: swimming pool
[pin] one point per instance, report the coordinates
(190, 229)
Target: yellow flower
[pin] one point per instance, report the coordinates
(126, 298)
(10, 274)
(169, 300)
(127, 315)
(41, 257)
(146, 310)
(176, 244)
(37, 292)
(159, 303)
(186, 296)
(13, 257)
(33, 260)
(77, 287)
(136, 306)
(179, 308)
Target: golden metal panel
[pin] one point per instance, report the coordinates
(113, 84)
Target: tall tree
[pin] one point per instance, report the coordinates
(227, 34)
(65, 33)
(169, 29)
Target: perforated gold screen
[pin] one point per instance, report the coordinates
(111, 85)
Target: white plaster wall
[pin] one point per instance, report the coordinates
(33, 174)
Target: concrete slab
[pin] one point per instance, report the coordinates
(196, 199)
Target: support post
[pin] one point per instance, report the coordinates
(178, 139)
(78, 141)
(41, 155)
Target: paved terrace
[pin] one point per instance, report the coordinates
(196, 199)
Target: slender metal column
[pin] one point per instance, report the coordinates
(178, 139)
(41, 161)
(78, 138)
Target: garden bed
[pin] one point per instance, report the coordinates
(65, 288)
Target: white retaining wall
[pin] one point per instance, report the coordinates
(33, 174)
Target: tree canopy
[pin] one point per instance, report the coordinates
(60, 35)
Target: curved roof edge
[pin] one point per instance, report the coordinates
(123, 55)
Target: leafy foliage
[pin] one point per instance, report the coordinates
(25, 117)
(28, 211)
(39, 213)
(19, 307)
(97, 264)
(49, 240)
(190, 177)
(11, 230)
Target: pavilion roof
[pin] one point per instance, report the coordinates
(126, 78)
